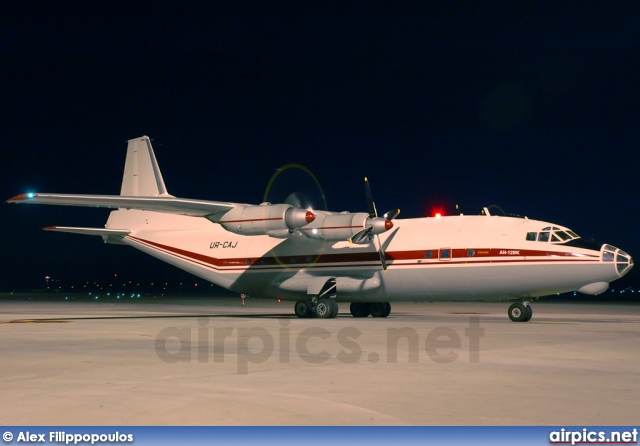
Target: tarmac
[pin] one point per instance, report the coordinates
(215, 362)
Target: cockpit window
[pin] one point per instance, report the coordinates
(558, 235)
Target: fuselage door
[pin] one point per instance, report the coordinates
(444, 253)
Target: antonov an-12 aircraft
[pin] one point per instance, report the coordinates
(318, 258)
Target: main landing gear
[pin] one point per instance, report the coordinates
(520, 312)
(326, 308)
(375, 309)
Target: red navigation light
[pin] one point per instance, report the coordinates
(436, 210)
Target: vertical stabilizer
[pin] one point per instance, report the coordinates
(142, 177)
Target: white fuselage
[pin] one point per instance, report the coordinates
(429, 259)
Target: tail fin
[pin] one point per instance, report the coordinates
(142, 177)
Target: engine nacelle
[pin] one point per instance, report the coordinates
(265, 219)
(338, 227)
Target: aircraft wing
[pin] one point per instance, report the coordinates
(168, 204)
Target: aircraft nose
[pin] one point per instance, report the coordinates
(623, 261)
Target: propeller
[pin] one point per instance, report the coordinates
(298, 200)
(375, 224)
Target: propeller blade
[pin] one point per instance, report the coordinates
(360, 236)
(371, 206)
(383, 259)
(296, 200)
(373, 214)
(392, 214)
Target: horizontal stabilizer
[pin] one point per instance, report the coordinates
(113, 236)
(89, 231)
(173, 205)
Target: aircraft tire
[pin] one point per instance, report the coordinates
(303, 309)
(518, 312)
(324, 309)
(380, 309)
(529, 313)
(360, 309)
(334, 307)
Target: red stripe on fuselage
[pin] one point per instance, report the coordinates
(252, 219)
(470, 253)
(331, 227)
(359, 260)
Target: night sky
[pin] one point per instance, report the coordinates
(532, 106)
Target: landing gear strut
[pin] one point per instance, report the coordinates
(520, 312)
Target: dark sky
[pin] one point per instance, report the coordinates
(534, 106)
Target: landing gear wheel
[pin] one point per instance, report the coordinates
(303, 309)
(360, 309)
(529, 313)
(518, 312)
(334, 307)
(325, 309)
(380, 309)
